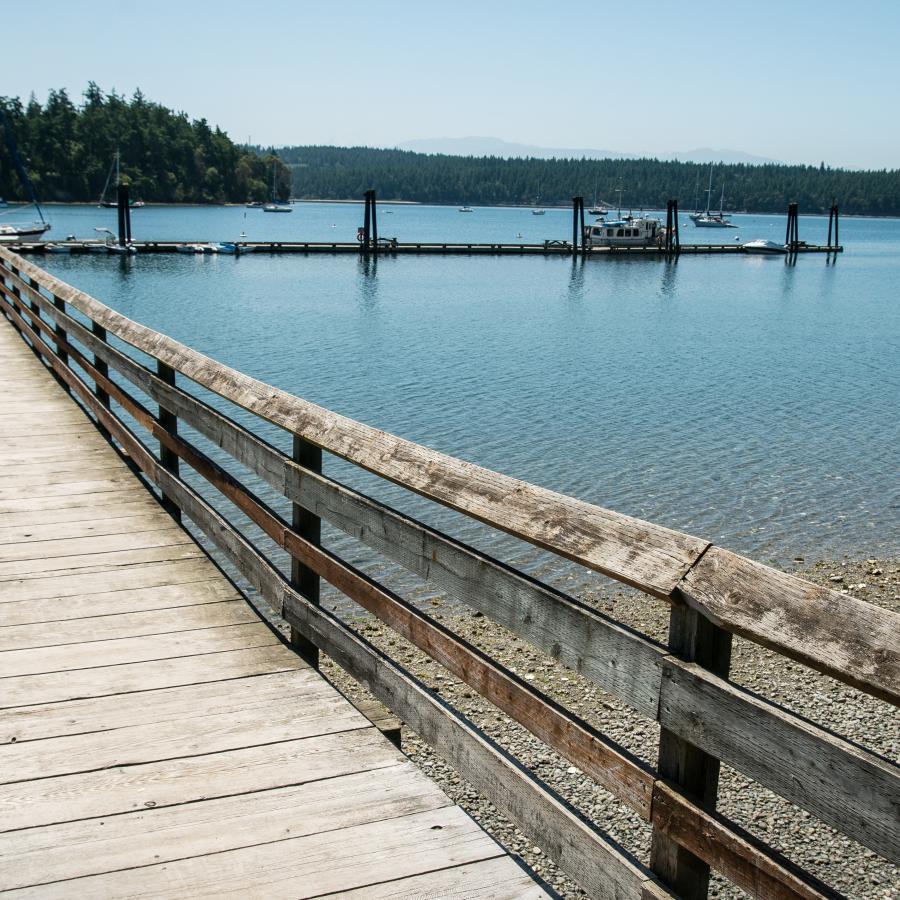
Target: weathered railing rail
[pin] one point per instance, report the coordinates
(713, 593)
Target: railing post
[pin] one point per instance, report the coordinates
(693, 638)
(169, 421)
(308, 526)
(103, 369)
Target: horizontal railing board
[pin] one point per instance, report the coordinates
(741, 753)
(543, 517)
(841, 635)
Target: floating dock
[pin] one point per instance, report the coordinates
(397, 248)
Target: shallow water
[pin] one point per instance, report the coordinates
(745, 400)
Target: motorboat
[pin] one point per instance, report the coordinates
(110, 245)
(465, 209)
(763, 247)
(538, 212)
(629, 231)
(254, 204)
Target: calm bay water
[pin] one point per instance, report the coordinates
(745, 400)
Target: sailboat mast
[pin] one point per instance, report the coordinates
(722, 200)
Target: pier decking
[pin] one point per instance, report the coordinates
(157, 737)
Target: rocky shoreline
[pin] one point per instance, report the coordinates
(847, 866)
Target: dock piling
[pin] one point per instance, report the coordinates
(792, 237)
(122, 212)
(577, 209)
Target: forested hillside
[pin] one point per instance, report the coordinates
(67, 150)
(340, 173)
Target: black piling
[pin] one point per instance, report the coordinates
(669, 229)
(584, 243)
(677, 233)
(367, 224)
(122, 212)
(791, 235)
(833, 225)
(374, 223)
(577, 205)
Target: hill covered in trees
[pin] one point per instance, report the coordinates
(339, 173)
(67, 151)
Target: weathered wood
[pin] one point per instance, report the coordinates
(55, 531)
(74, 850)
(152, 707)
(113, 791)
(46, 550)
(693, 638)
(318, 710)
(130, 650)
(846, 786)
(125, 625)
(103, 681)
(755, 868)
(308, 866)
(847, 638)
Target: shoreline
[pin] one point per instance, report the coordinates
(853, 870)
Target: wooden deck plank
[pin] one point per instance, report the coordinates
(43, 660)
(110, 792)
(55, 687)
(190, 732)
(69, 509)
(151, 836)
(149, 574)
(101, 714)
(490, 879)
(307, 866)
(189, 592)
(126, 625)
(54, 531)
(99, 546)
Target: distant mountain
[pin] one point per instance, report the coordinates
(491, 146)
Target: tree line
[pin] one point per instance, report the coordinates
(68, 149)
(338, 173)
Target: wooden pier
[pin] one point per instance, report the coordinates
(160, 739)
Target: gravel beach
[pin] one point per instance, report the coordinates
(847, 866)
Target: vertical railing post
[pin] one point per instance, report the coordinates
(309, 527)
(103, 369)
(169, 421)
(696, 639)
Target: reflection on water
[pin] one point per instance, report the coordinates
(751, 401)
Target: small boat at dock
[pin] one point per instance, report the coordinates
(629, 231)
(764, 248)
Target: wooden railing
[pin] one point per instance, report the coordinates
(713, 594)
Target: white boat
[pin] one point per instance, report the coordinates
(113, 204)
(275, 205)
(708, 218)
(763, 247)
(110, 245)
(538, 212)
(15, 232)
(629, 231)
(465, 209)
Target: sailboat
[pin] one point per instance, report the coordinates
(709, 219)
(113, 204)
(34, 229)
(276, 205)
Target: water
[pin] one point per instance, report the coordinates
(745, 400)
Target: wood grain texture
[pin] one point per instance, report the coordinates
(845, 637)
(158, 835)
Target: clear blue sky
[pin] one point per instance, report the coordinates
(797, 81)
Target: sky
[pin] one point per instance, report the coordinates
(796, 81)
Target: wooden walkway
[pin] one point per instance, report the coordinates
(156, 737)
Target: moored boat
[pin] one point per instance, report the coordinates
(629, 231)
(764, 247)
(32, 229)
